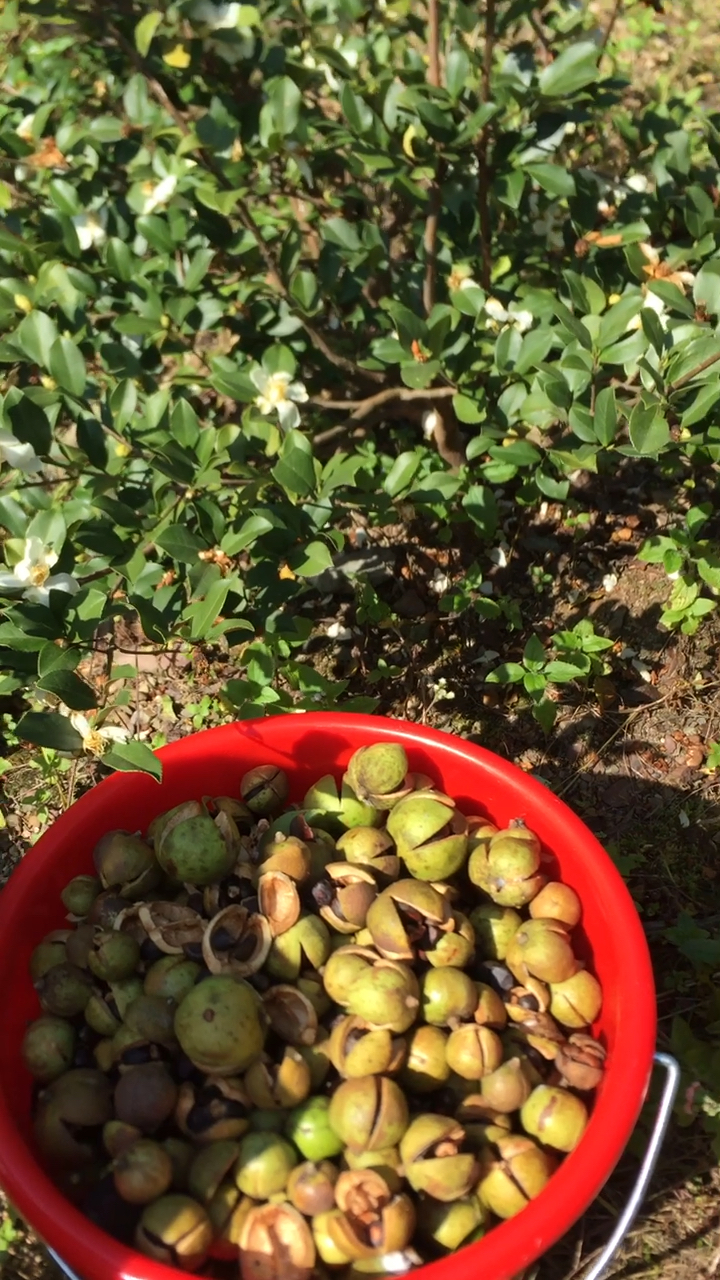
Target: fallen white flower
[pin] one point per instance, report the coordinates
(32, 576)
(20, 456)
(336, 631)
(96, 741)
(90, 229)
(610, 582)
(25, 128)
(278, 394)
(440, 583)
(642, 669)
(497, 556)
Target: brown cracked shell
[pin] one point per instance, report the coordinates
(355, 890)
(236, 942)
(291, 1015)
(216, 1110)
(175, 929)
(276, 1244)
(279, 901)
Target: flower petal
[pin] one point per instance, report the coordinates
(80, 723)
(113, 733)
(63, 582)
(259, 378)
(297, 391)
(289, 415)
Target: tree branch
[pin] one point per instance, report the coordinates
(699, 368)
(361, 408)
(484, 176)
(617, 9)
(433, 217)
(244, 213)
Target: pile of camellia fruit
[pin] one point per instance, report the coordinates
(345, 1038)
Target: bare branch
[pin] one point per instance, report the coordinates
(484, 176)
(361, 408)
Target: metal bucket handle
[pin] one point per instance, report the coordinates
(636, 1197)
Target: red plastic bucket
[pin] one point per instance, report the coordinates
(307, 746)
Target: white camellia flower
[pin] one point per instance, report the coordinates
(97, 741)
(430, 421)
(651, 302)
(158, 193)
(25, 128)
(498, 317)
(90, 229)
(32, 576)
(279, 395)
(219, 17)
(18, 455)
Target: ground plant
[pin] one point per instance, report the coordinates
(367, 355)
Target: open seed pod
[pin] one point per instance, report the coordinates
(581, 1062)
(289, 855)
(279, 901)
(372, 1221)
(371, 847)
(305, 946)
(227, 1212)
(276, 1244)
(126, 863)
(514, 1170)
(430, 834)
(529, 997)
(369, 1113)
(357, 1049)
(278, 1085)
(407, 917)
(236, 942)
(214, 1111)
(264, 789)
(174, 929)
(542, 949)
(454, 946)
(344, 896)
(175, 1230)
(232, 889)
(434, 1159)
(291, 1015)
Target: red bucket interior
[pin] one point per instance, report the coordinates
(308, 746)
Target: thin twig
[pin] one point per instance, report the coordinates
(699, 368)
(484, 175)
(361, 408)
(243, 212)
(433, 217)
(617, 10)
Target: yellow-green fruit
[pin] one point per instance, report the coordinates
(555, 1117)
(577, 1001)
(218, 1026)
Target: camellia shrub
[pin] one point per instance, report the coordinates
(262, 265)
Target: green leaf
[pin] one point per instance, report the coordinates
(52, 657)
(706, 290)
(545, 712)
(133, 757)
(184, 424)
(203, 613)
(648, 430)
(304, 289)
(552, 178)
(344, 234)
(180, 543)
(285, 98)
(145, 30)
(35, 336)
(506, 673)
(605, 417)
(402, 473)
(457, 72)
(559, 671)
(572, 324)
(69, 688)
(49, 729)
(67, 366)
(467, 410)
(480, 504)
(29, 423)
(700, 407)
(357, 113)
(123, 403)
(614, 323)
(314, 559)
(572, 70)
(295, 472)
(534, 652)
